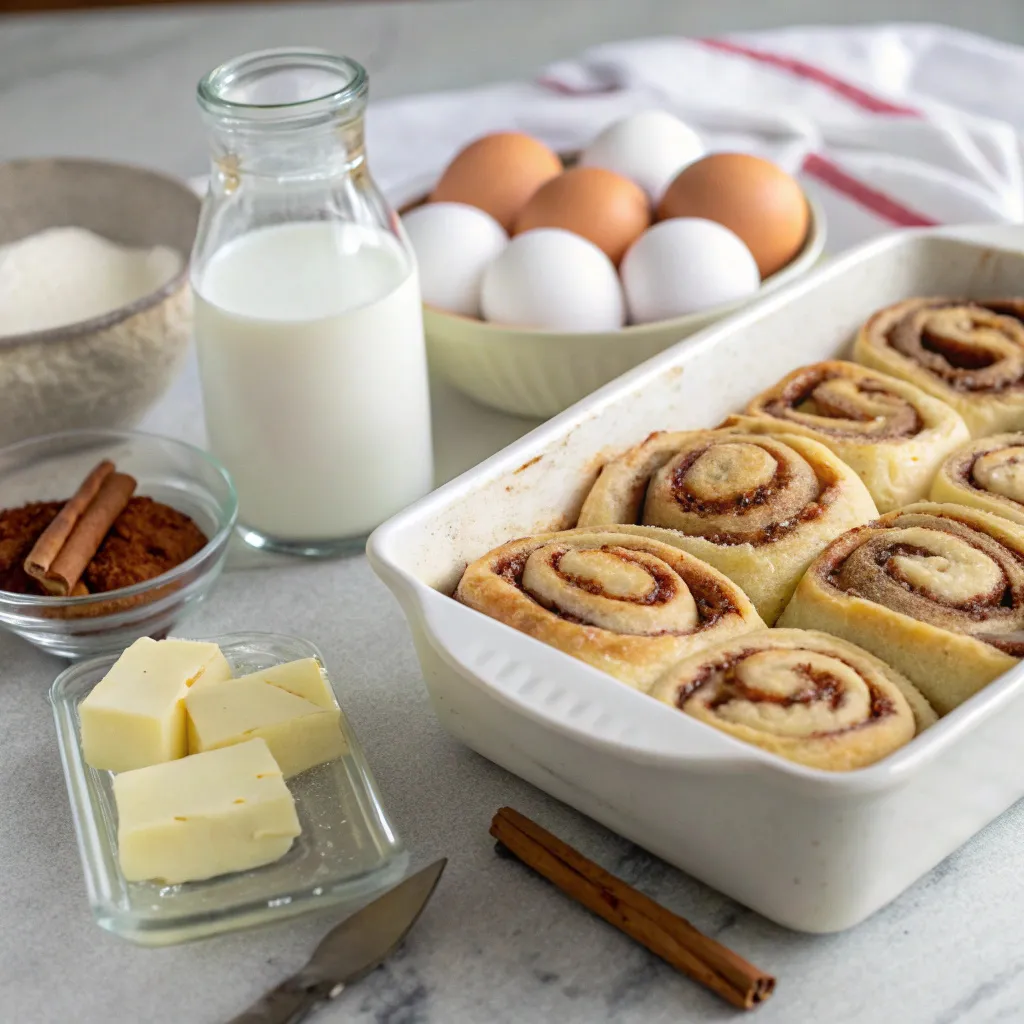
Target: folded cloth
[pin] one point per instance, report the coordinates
(886, 126)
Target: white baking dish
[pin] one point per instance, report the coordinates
(812, 850)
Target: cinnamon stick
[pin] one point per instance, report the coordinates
(52, 539)
(665, 934)
(84, 540)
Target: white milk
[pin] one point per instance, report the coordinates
(310, 341)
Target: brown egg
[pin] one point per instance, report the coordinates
(759, 201)
(497, 174)
(605, 208)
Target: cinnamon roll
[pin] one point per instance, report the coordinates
(806, 696)
(628, 605)
(889, 432)
(935, 590)
(969, 354)
(758, 508)
(987, 474)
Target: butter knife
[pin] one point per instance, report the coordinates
(348, 952)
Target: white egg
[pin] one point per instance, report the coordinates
(651, 147)
(453, 243)
(553, 279)
(684, 265)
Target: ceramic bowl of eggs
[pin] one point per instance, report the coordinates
(544, 277)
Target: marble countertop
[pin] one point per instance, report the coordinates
(496, 945)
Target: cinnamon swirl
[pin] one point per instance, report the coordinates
(806, 696)
(889, 432)
(628, 605)
(969, 354)
(987, 474)
(935, 590)
(758, 508)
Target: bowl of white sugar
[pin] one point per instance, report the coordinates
(95, 308)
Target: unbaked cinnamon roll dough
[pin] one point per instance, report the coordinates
(689, 542)
(630, 606)
(892, 434)
(986, 474)
(757, 507)
(936, 590)
(806, 696)
(968, 354)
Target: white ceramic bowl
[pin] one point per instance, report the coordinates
(104, 372)
(531, 372)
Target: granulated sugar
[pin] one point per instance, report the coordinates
(65, 275)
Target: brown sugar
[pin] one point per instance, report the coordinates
(146, 540)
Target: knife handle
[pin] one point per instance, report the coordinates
(292, 1001)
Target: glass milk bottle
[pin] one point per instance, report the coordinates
(308, 322)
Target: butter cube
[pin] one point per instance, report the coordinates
(304, 678)
(300, 734)
(135, 715)
(185, 820)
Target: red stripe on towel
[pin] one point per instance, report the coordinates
(878, 203)
(801, 69)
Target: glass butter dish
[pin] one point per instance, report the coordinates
(347, 851)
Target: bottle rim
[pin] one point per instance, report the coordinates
(244, 89)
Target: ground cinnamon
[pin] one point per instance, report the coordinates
(20, 529)
(146, 540)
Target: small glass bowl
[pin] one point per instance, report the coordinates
(50, 468)
(348, 849)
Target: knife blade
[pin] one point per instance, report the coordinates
(348, 952)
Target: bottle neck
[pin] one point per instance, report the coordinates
(288, 155)
(285, 115)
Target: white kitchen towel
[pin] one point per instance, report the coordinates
(887, 126)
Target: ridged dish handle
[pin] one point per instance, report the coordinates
(566, 694)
